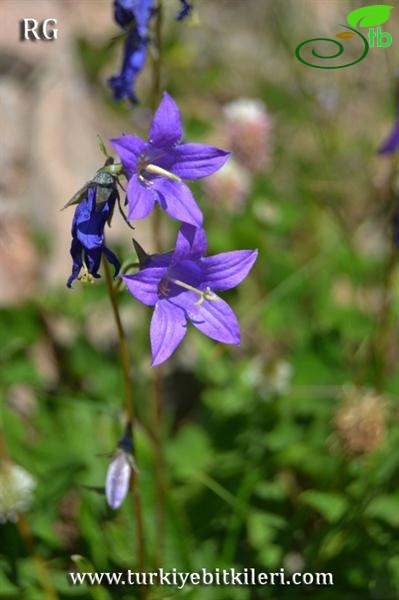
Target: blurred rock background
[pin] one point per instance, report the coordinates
(51, 110)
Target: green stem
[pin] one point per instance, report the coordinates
(160, 483)
(42, 570)
(156, 64)
(129, 405)
(158, 379)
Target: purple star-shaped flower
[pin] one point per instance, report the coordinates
(391, 143)
(155, 168)
(182, 285)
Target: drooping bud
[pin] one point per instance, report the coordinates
(120, 470)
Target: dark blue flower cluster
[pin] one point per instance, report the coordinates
(88, 244)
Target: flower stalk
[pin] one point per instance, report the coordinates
(158, 379)
(129, 407)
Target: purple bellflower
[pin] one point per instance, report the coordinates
(156, 168)
(134, 17)
(181, 286)
(391, 143)
(88, 236)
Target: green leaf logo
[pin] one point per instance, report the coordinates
(369, 16)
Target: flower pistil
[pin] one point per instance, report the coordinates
(145, 165)
(206, 294)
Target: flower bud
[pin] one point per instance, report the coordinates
(118, 479)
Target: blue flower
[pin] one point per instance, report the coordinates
(391, 143)
(181, 287)
(155, 168)
(134, 17)
(88, 236)
(186, 8)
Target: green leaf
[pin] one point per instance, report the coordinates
(386, 508)
(263, 527)
(369, 16)
(190, 452)
(330, 505)
(7, 588)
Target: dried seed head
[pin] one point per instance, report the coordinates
(16, 489)
(360, 421)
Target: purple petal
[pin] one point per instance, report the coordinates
(391, 144)
(140, 197)
(168, 328)
(118, 478)
(226, 270)
(193, 161)
(93, 261)
(191, 242)
(214, 318)
(177, 200)
(76, 253)
(144, 284)
(112, 259)
(159, 260)
(138, 12)
(129, 149)
(166, 127)
(143, 12)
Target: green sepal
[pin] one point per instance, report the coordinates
(78, 197)
(102, 146)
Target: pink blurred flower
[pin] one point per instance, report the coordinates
(229, 187)
(248, 132)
